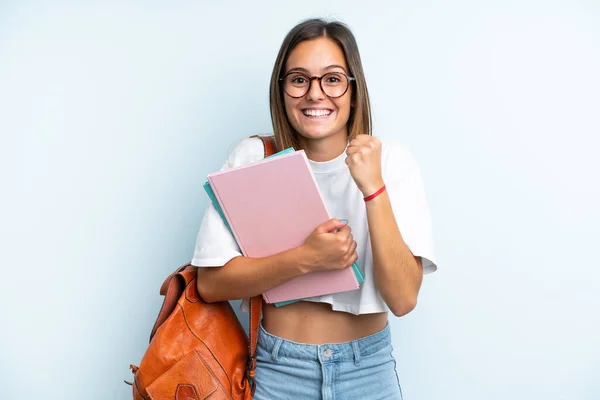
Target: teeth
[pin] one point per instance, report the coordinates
(316, 113)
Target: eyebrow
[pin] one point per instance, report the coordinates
(300, 69)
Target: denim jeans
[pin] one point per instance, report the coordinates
(361, 369)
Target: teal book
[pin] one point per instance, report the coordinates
(209, 191)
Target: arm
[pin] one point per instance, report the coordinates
(398, 274)
(244, 277)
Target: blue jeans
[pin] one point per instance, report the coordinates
(361, 369)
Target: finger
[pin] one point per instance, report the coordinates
(344, 239)
(352, 150)
(330, 226)
(353, 258)
(348, 240)
(360, 140)
(346, 228)
(354, 158)
(350, 259)
(361, 154)
(365, 141)
(352, 248)
(344, 234)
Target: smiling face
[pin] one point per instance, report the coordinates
(316, 116)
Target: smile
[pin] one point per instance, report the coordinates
(317, 113)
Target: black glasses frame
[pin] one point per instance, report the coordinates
(320, 80)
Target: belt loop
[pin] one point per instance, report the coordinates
(356, 350)
(275, 351)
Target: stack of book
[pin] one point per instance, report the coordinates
(271, 206)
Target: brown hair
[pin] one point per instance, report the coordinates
(360, 114)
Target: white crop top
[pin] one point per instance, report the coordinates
(215, 245)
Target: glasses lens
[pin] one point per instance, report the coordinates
(296, 84)
(334, 84)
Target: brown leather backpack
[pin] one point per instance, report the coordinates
(198, 350)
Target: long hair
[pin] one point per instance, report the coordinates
(359, 121)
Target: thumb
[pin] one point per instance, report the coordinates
(331, 225)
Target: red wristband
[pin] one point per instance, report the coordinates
(377, 193)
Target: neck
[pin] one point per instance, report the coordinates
(325, 149)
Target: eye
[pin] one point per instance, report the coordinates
(333, 78)
(297, 79)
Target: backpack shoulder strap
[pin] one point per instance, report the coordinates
(172, 288)
(256, 302)
(268, 143)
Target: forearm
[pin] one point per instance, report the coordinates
(244, 277)
(398, 274)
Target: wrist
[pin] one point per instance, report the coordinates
(373, 193)
(371, 187)
(302, 259)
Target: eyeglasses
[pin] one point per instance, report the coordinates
(333, 84)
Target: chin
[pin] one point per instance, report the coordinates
(312, 134)
(321, 132)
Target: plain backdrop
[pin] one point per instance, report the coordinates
(112, 114)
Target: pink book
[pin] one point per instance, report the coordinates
(272, 206)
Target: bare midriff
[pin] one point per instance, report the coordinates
(317, 323)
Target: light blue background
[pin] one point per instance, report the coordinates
(112, 115)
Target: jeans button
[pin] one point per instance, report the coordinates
(327, 353)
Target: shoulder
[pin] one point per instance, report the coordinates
(394, 148)
(245, 152)
(397, 159)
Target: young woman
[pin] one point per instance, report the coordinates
(335, 346)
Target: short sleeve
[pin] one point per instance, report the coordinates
(405, 187)
(215, 244)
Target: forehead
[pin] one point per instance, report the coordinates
(315, 55)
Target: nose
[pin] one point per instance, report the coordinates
(314, 90)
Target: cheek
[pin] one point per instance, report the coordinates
(344, 106)
(289, 106)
